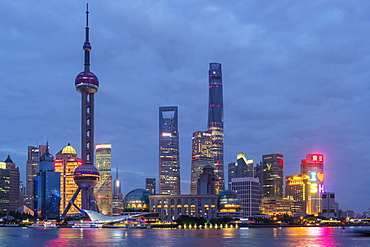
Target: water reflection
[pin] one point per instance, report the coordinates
(289, 236)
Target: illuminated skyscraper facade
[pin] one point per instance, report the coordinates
(201, 156)
(32, 168)
(14, 184)
(66, 161)
(169, 153)
(103, 190)
(4, 189)
(313, 167)
(298, 188)
(272, 175)
(216, 120)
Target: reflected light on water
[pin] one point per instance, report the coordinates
(313, 236)
(229, 233)
(278, 236)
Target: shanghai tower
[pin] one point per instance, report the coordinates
(216, 120)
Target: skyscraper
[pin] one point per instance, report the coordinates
(169, 154)
(66, 161)
(313, 166)
(272, 175)
(117, 185)
(103, 190)
(298, 187)
(32, 168)
(240, 169)
(201, 156)
(14, 184)
(4, 189)
(86, 176)
(47, 188)
(216, 120)
(117, 196)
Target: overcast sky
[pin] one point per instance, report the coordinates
(295, 74)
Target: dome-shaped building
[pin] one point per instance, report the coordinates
(136, 200)
(66, 162)
(69, 150)
(229, 203)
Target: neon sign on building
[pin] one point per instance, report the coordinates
(317, 179)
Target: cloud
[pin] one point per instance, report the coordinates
(295, 80)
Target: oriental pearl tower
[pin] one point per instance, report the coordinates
(86, 176)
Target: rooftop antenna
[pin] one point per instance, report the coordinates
(87, 46)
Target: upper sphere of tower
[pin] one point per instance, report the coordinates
(87, 82)
(69, 150)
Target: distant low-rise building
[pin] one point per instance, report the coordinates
(348, 214)
(329, 205)
(171, 207)
(280, 206)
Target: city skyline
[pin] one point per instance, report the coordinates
(295, 82)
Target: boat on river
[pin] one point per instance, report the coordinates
(44, 224)
(87, 225)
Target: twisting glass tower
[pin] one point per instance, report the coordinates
(86, 176)
(216, 120)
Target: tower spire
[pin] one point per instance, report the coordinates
(87, 46)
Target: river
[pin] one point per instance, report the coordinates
(288, 236)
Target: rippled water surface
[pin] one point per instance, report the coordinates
(291, 236)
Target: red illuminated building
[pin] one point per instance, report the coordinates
(313, 167)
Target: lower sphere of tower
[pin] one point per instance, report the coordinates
(86, 176)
